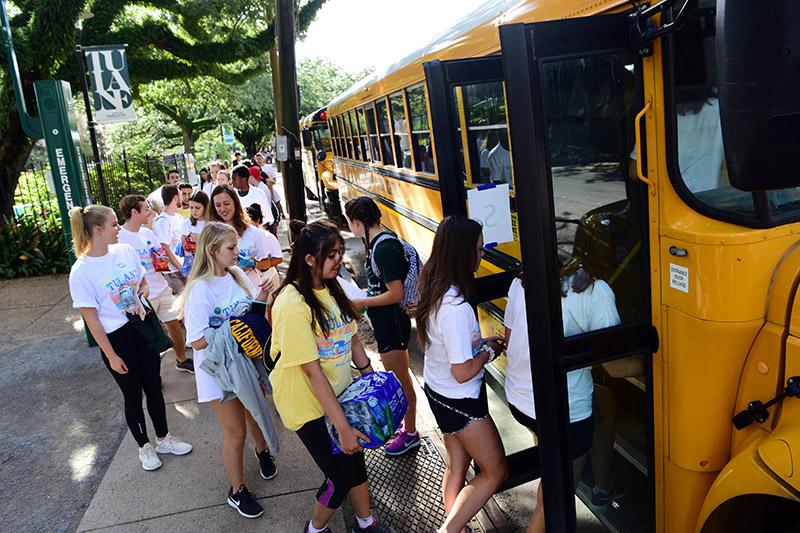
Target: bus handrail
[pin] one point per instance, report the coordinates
(651, 187)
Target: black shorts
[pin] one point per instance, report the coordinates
(342, 471)
(580, 432)
(393, 332)
(453, 415)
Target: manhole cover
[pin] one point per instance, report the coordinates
(406, 491)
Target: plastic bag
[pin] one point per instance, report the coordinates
(160, 259)
(374, 405)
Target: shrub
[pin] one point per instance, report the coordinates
(32, 247)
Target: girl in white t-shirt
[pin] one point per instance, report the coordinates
(192, 227)
(107, 285)
(586, 305)
(214, 288)
(455, 356)
(253, 253)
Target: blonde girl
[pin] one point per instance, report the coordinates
(107, 285)
(215, 286)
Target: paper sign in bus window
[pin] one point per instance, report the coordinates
(488, 204)
(679, 277)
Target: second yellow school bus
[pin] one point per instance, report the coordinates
(621, 134)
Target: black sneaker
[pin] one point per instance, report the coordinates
(326, 530)
(186, 366)
(267, 467)
(245, 502)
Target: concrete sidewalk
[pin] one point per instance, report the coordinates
(189, 493)
(44, 349)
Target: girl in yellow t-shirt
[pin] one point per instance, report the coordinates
(314, 331)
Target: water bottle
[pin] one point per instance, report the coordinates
(216, 320)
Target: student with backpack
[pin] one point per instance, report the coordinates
(392, 269)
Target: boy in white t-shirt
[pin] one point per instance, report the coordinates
(167, 227)
(135, 209)
(240, 177)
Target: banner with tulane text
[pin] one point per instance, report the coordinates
(111, 83)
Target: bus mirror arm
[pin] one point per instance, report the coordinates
(643, 33)
(757, 410)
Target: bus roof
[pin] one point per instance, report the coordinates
(316, 116)
(476, 34)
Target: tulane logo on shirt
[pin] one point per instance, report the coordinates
(338, 343)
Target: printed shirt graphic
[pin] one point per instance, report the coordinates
(298, 344)
(252, 247)
(109, 284)
(142, 241)
(168, 230)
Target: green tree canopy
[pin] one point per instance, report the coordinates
(167, 40)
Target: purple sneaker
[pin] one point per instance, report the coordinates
(403, 443)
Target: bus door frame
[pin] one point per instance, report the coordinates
(524, 48)
(440, 78)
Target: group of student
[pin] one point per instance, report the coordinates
(314, 341)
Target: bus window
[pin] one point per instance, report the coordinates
(373, 133)
(420, 130)
(345, 145)
(589, 105)
(351, 123)
(334, 139)
(400, 128)
(363, 134)
(489, 156)
(385, 133)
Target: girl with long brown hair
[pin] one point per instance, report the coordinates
(455, 356)
(315, 335)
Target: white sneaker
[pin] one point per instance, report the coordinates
(149, 457)
(170, 444)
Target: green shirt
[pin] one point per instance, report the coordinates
(393, 266)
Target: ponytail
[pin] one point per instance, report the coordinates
(82, 221)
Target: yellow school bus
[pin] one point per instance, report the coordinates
(318, 174)
(654, 148)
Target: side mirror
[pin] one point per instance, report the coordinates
(322, 155)
(758, 65)
(306, 137)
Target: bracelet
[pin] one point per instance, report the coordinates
(259, 302)
(369, 364)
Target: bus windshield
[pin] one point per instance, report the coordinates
(698, 133)
(322, 137)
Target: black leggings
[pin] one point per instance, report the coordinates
(342, 472)
(144, 374)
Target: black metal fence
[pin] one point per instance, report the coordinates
(34, 197)
(33, 241)
(123, 175)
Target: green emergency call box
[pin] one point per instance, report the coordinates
(60, 132)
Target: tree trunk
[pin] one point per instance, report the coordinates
(15, 147)
(188, 138)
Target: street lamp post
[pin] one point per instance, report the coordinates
(101, 182)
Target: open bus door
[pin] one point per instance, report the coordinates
(563, 100)
(575, 94)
